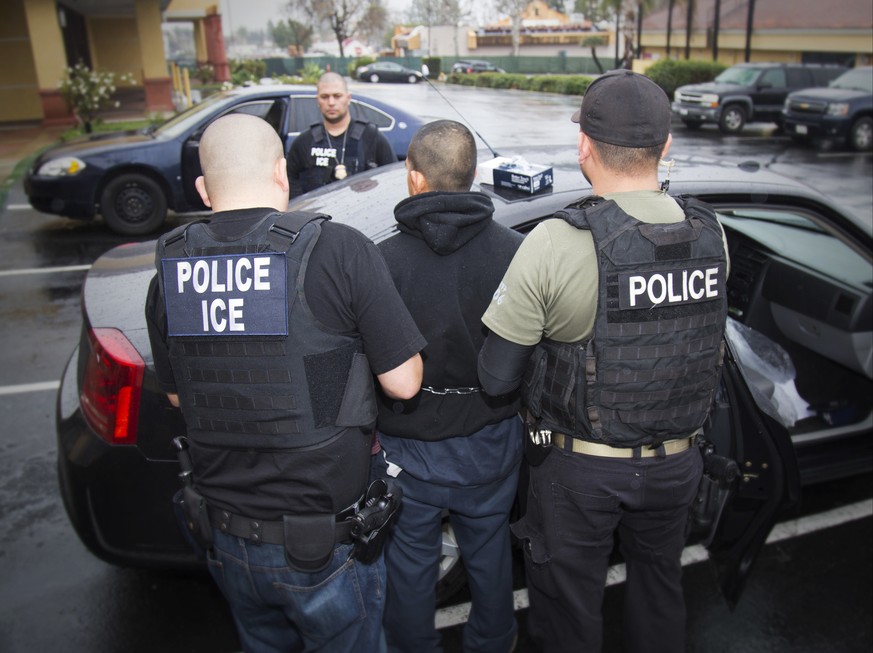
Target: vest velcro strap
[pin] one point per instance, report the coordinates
(667, 414)
(611, 377)
(667, 350)
(643, 397)
(655, 327)
(275, 427)
(256, 402)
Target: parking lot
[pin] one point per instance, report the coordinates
(809, 590)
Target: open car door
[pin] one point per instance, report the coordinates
(753, 479)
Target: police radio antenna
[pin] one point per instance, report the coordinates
(473, 129)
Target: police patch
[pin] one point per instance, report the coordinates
(671, 287)
(234, 295)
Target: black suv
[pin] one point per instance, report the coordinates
(843, 111)
(747, 92)
(475, 66)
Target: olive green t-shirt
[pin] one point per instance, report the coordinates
(550, 288)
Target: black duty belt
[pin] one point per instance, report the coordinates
(273, 532)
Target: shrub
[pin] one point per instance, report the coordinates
(670, 74)
(88, 91)
(205, 73)
(311, 72)
(248, 71)
(434, 65)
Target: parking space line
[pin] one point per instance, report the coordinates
(458, 614)
(63, 268)
(29, 387)
(18, 207)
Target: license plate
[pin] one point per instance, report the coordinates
(801, 129)
(683, 112)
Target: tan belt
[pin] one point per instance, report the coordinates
(604, 450)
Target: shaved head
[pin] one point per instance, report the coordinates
(238, 153)
(444, 151)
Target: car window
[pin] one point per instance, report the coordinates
(775, 77)
(371, 114)
(739, 76)
(269, 110)
(304, 112)
(182, 122)
(860, 79)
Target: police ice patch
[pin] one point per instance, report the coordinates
(233, 295)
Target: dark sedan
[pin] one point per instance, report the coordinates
(795, 406)
(388, 71)
(133, 178)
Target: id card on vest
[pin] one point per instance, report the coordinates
(227, 295)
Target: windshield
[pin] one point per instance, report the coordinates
(860, 79)
(736, 75)
(182, 122)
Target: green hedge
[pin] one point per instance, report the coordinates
(670, 74)
(563, 84)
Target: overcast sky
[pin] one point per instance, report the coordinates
(254, 14)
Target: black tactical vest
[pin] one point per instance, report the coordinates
(650, 369)
(253, 368)
(358, 155)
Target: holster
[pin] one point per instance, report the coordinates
(717, 485)
(373, 521)
(196, 517)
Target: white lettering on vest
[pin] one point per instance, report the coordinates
(213, 315)
(204, 277)
(673, 288)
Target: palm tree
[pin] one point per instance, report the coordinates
(689, 20)
(669, 23)
(715, 28)
(750, 20)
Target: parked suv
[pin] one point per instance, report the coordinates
(842, 111)
(475, 66)
(747, 92)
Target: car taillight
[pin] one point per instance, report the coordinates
(112, 386)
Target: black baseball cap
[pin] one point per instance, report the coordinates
(625, 108)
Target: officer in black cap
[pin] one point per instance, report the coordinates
(266, 329)
(611, 317)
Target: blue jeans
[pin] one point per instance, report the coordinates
(480, 518)
(278, 609)
(576, 504)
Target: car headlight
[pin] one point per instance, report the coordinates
(65, 166)
(838, 109)
(709, 99)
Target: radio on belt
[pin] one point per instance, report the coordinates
(515, 173)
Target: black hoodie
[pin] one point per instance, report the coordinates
(447, 261)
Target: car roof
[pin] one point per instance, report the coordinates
(354, 200)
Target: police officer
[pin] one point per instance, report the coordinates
(452, 448)
(266, 329)
(611, 318)
(337, 146)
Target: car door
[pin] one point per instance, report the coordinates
(270, 109)
(753, 476)
(769, 94)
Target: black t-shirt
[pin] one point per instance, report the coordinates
(349, 291)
